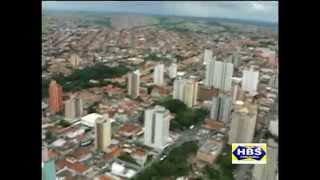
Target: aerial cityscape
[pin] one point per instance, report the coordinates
(153, 90)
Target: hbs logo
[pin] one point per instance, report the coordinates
(249, 153)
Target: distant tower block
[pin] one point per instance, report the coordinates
(243, 123)
(250, 81)
(55, 97)
(156, 124)
(173, 71)
(134, 83)
(73, 108)
(158, 74)
(103, 133)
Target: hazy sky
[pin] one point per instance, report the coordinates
(248, 10)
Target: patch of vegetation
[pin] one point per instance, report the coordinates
(79, 79)
(174, 165)
(126, 157)
(64, 123)
(225, 167)
(185, 117)
(154, 57)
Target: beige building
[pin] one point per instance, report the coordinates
(73, 108)
(243, 122)
(268, 171)
(75, 60)
(190, 93)
(208, 153)
(103, 133)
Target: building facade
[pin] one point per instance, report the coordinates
(73, 108)
(207, 56)
(173, 71)
(48, 170)
(190, 94)
(103, 133)
(178, 89)
(219, 75)
(268, 171)
(55, 97)
(158, 75)
(243, 123)
(156, 125)
(134, 83)
(221, 108)
(250, 80)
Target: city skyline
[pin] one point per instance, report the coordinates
(266, 11)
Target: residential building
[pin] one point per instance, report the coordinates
(55, 97)
(209, 152)
(156, 127)
(219, 75)
(73, 108)
(243, 123)
(75, 60)
(103, 133)
(237, 93)
(268, 171)
(190, 94)
(178, 88)
(250, 80)
(158, 75)
(208, 54)
(134, 83)
(221, 108)
(173, 70)
(48, 170)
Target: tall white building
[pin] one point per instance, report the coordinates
(221, 108)
(156, 127)
(190, 94)
(158, 74)
(103, 133)
(178, 88)
(173, 70)
(134, 83)
(250, 80)
(207, 56)
(219, 75)
(268, 171)
(243, 123)
(73, 108)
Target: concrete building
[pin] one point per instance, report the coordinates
(134, 83)
(250, 80)
(190, 94)
(221, 108)
(103, 133)
(243, 123)
(73, 108)
(55, 97)
(158, 75)
(48, 170)
(268, 171)
(75, 60)
(156, 127)
(237, 92)
(173, 70)
(209, 152)
(219, 75)
(178, 88)
(207, 56)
